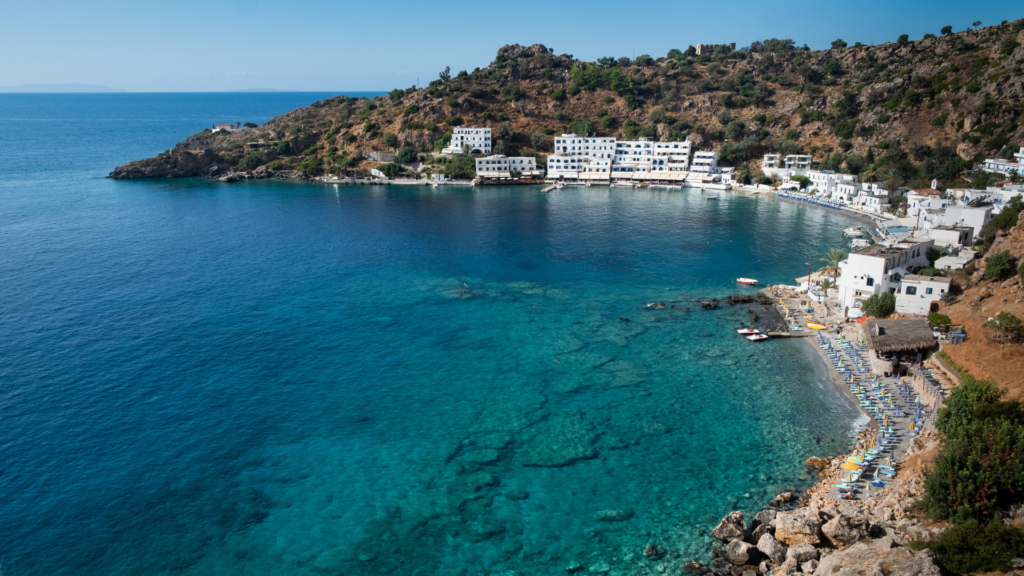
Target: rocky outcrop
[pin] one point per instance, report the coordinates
(731, 528)
(843, 531)
(740, 553)
(171, 164)
(798, 526)
(880, 556)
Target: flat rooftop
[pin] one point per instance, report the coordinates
(886, 250)
(916, 278)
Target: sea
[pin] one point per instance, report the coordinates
(270, 377)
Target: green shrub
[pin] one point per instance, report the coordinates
(936, 319)
(250, 160)
(460, 167)
(883, 118)
(879, 305)
(608, 122)
(391, 170)
(453, 121)
(406, 155)
(1006, 323)
(557, 94)
(609, 100)
(274, 165)
(284, 148)
(560, 116)
(792, 134)
(582, 126)
(1004, 221)
(999, 266)
(391, 140)
(971, 547)
(312, 166)
(940, 120)
(410, 109)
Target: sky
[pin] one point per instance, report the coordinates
(322, 45)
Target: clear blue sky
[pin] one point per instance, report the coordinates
(214, 45)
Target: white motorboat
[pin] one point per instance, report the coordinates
(748, 331)
(854, 231)
(747, 281)
(757, 337)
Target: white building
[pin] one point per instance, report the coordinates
(955, 260)
(916, 294)
(826, 181)
(1006, 167)
(799, 162)
(499, 166)
(771, 162)
(602, 158)
(951, 236)
(477, 139)
(973, 216)
(876, 203)
(925, 199)
(878, 269)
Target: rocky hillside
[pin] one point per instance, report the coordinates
(919, 109)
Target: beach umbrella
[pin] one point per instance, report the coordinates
(888, 461)
(851, 466)
(911, 425)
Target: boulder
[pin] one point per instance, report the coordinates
(844, 531)
(802, 553)
(817, 463)
(696, 568)
(772, 548)
(878, 557)
(731, 528)
(799, 526)
(765, 517)
(761, 530)
(739, 552)
(809, 567)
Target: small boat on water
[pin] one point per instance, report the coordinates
(860, 243)
(757, 337)
(854, 231)
(746, 331)
(711, 197)
(747, 281)
(815, 326)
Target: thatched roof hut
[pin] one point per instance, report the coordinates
(911, 335)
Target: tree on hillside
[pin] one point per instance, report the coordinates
(903, 39)
(446, 74)
(891, 180)
(839, 43)
(946, 30)
(976, 23)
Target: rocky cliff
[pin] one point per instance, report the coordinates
(920, 104)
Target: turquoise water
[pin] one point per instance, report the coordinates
(273, 378)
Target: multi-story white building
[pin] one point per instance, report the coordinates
(771, 162)
(878, 269)
(1006, 167)
(973, 216)
(602, 158)
(916, 294)
(499, 166)
(478, 141)
(799, 162)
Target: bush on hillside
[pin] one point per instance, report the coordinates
(999, 266)
(980, 470)
(1004, 221)
(879, 305)
(460, 167)
(391, 140)
(391, 170)
(582, 126)
(936, 319)
(1006, 323)
(971, 547)
(406, 155)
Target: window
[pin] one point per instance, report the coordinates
(911, 290)
(870, 281)
(927, 290)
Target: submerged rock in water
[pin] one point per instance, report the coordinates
(559, 440)
(613, 515)
(517, 494)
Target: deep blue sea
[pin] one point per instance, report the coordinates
(275, 378)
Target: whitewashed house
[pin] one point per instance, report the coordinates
(499, 166)
(876, 203)
(878, 269)
(1007, 167)
(916, 294)
(972, 216)
(799, 162)
(477, 139)
(951, 236)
